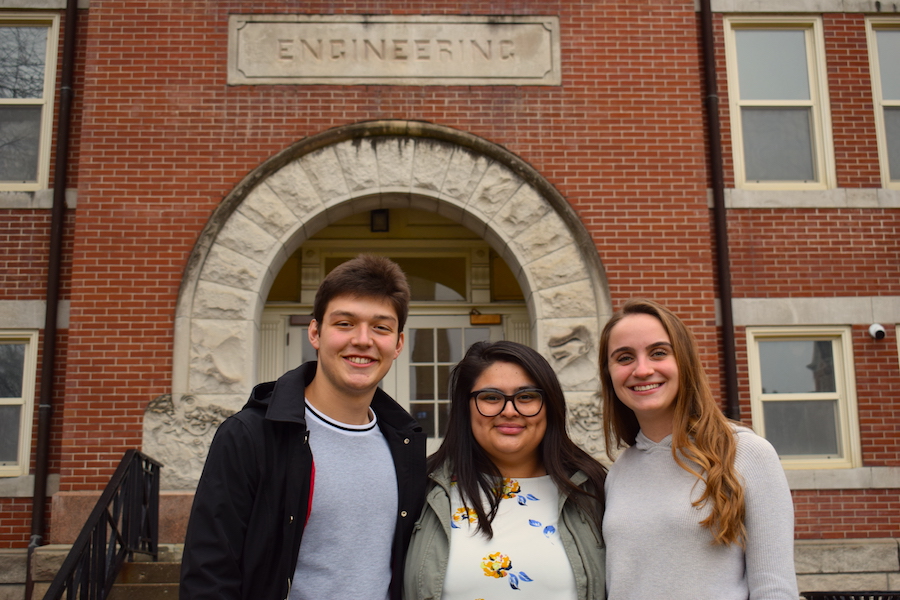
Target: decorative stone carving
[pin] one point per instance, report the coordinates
(586, 424)
(178, 435)
(571, 352)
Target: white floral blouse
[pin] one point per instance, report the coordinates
(524, 560)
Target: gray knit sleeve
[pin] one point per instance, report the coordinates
(769, 520)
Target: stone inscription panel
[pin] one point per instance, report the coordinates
(393, 50)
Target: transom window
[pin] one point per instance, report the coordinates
(884, 48)
(778, 101)
(27, 79)
(432, 278)
(802, 399)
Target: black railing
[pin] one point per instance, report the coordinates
(124, 521)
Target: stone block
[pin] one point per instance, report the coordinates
(291, 184)
(220, 361)
(843, 582)
(170, 552)
(46, 561)
(360, 164)
(494, 189)
(430, 165)
(71, 510)
(546, 236)
(12, 565)
(227, 267)
(326, 175)
(893, 581)
(559, 268)
(574, 300)
(395, 163)
(13, 592)
(846, 556)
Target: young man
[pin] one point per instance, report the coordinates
(311, 491)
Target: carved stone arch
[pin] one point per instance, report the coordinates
(340, 172)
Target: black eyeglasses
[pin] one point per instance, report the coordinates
(491, 403)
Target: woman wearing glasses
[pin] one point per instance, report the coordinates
(514, 507)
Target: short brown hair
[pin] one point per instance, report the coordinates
(366, 276)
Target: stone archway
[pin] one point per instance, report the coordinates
(341, 172)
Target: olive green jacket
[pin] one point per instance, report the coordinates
(429, 549)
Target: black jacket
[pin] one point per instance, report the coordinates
(254, 496)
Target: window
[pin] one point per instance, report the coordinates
(884, 48)
(434, 345)
(779, 107)
(27, 81)
(18, 358)
(803, 396)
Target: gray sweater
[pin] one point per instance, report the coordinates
(655, 547)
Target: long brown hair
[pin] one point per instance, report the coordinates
(703, 440)
(476, 475)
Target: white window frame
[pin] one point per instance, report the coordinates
(46, 101)
(873, 24)
(822, 143)
(847, 419)
(29, 374)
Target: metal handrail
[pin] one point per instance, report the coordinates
(124, 521)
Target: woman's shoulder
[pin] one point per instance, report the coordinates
(747, 437)
(753, 449)
(440, 476)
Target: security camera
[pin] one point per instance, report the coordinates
(877, 331)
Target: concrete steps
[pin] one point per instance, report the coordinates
(147, 581)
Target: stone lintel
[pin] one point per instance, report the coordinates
(393, 50)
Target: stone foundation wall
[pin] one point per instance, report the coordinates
(847, 565)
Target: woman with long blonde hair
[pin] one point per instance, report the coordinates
(697, 506)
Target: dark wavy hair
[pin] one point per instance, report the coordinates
(366, 276)
(703, 439)
(476, 475)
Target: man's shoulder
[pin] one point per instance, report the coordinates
(247, 422)
(390, 412)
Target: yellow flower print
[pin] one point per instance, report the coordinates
(496, 565)
(463, 514)
(510, 488)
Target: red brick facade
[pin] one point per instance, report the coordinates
(159, 139)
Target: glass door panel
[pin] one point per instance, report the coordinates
(420, 376)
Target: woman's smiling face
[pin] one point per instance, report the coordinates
(644, 372)
(510, 440)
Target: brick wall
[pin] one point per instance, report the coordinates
(850, 88)
(822, 253)
(846, 514)
(15, 521)
(25, 237)
(165, 139)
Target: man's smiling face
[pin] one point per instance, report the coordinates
(357, 343)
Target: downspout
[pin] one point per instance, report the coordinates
(723, 268)
(48, 348)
